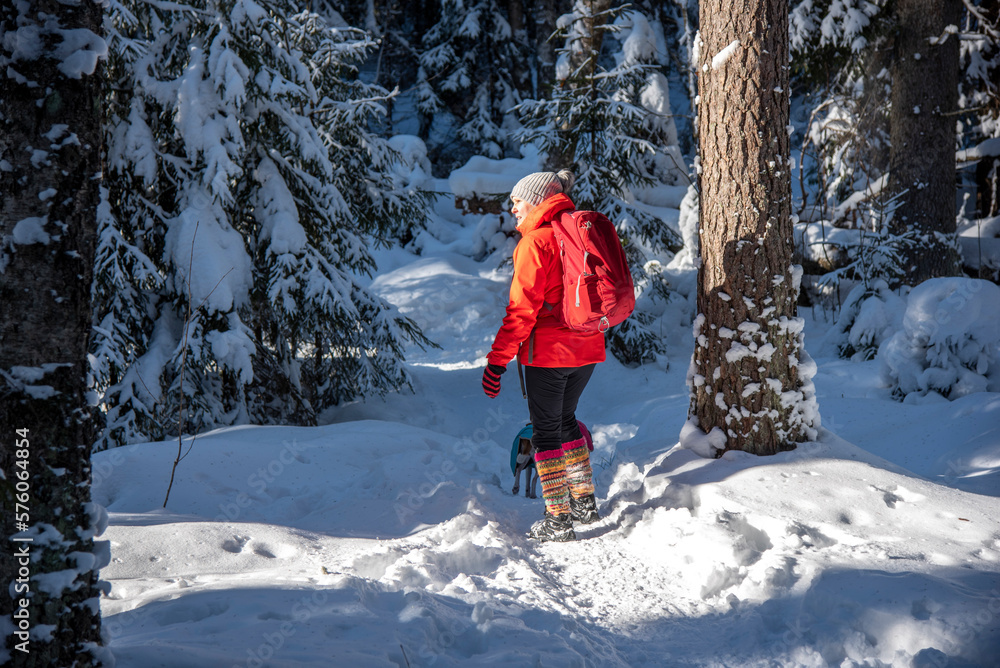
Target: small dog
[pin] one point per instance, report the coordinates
(526, 463)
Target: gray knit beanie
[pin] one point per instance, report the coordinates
(539, 186)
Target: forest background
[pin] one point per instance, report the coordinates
(254, 156)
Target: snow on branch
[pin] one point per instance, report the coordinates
(989, 148)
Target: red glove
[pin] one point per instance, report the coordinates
(491, 379)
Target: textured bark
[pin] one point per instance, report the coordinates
(746, 290)
(515, 16)
(50, 155)
(922, 132)
(546, 14)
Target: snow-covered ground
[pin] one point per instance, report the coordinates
(389, 536)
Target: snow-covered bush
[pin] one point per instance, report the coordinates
(949, 345)
(871, 255)
(869, 316)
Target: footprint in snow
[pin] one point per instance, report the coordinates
(897, 494)
(808, 535)
(235, 544)
(238, 544)
(275, 550)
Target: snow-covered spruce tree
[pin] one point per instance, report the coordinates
(612, 125)
(979, 96)
(469, 77)
(541, 22)
(243, 191)
(676, 24)
(839, 68)
(50, 138)
(398, 26)
(750, 376)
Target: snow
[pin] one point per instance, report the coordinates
(988, 148)
(949, 343)
(23, 43)
(980, 242)
(388, 535)
(27, 379)
(56, 582)
(484, 176)
(277, 211)
(705, 445)
(867, 319)
(688, 258)
(76, 50)
(79, 51)
(639, 38)
(28, 231)
(722, 57)
(209, 256)
(414, 168)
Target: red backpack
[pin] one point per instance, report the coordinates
(598, 291)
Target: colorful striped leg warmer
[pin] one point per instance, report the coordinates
(579, 476)
(551, 466)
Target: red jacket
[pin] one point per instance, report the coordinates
(529, 329)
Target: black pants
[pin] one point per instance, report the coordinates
(552, 398)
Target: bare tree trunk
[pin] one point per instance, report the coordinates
(746, 379)
(922, 133)
(49, 190)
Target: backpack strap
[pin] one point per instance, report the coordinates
(520, 376)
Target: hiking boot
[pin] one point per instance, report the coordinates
(558, 528)
(584, 509)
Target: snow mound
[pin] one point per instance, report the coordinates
(823, 556)
(486, 176)
(949, 345)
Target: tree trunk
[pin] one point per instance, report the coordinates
(583, 61)
(519, 75)
(924, 100)
(50, 161)
(546, 14)
(746, 379)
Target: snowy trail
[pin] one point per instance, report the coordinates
(390, 537)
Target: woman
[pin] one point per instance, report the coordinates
(558, 361)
